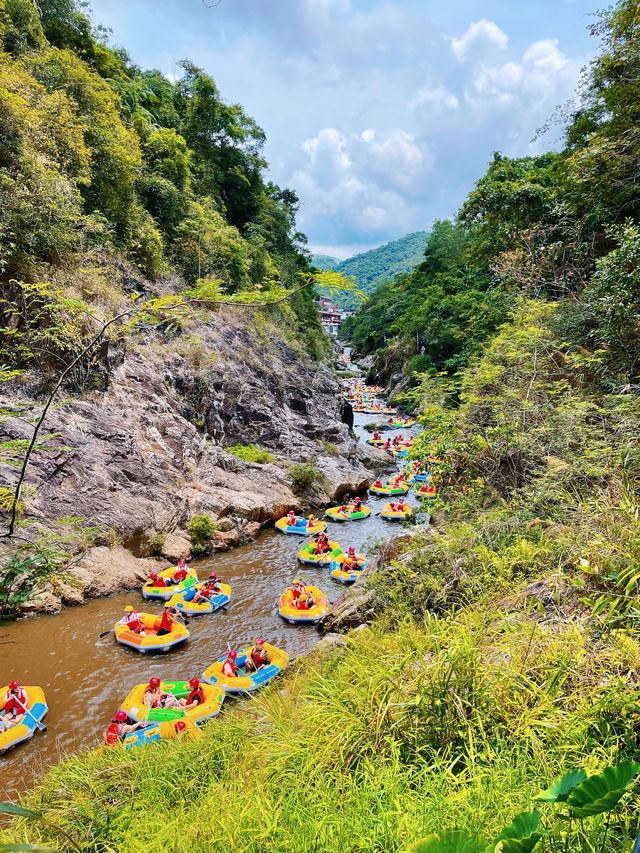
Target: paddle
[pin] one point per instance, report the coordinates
(27, 713)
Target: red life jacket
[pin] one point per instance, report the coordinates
(302, 605)
(199, 692)
(166, 620)
(230, 663)
(180, 574)
(259, 655)
(12, 702)
(114, 733)
(157, 697)
(158, 582)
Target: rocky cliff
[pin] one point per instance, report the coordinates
(139, 458)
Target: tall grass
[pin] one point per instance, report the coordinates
(459, 721)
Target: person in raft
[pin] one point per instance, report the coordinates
(297, 589)
(195, 697)
(291, 518)
(312, 521)
(258, 656)
(210, 588)
(376, 435)
(154, 697)
(351, 555)
(357, 505)
(387, 445)
(132, 621)
(322, 545)
(156, 580)
(169, 616)
(229, 667)
(180, 574)
(15, 704)
(378, 484)
(119, 728)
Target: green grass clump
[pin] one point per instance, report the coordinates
(303, 477)
(330, 449)
(457, 721)
(200, 528)
(251, 453)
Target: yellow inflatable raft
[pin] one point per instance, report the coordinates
(309, 558)
(426, 493)
(185, 604)
(150, 642)
(389, 490)
(301, 527)
(306, 616)
(396, 515)
(164, 593)
(134, 706)
(22, 731)
(245, 682)
(335, 513)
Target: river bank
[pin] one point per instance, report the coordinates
(77, 663)
(129, 465)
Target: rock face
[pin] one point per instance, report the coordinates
(137, 460)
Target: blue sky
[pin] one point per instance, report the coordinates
(381, 114)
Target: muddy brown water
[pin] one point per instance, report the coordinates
(86, 678)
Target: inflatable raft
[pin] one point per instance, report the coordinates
(134, 706)
(185, 603)
(307, 556)
(335, 514)
(164, 593)
(426, 493)
(376, 442)
(245, 682)
(396, 515)
(151, 642)
(36, 709)
(339, 574)
(301, 527)
(389, 490)
(310, 616)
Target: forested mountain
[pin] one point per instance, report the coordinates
(560, 227)
(100, 158)
(377, 265)
(325, 262)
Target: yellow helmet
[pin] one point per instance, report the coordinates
(297, 580)
(128, 608)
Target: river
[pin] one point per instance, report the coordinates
(86, 678)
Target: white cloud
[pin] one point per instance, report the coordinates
(366, 179)
(437, 99)
(478, 38)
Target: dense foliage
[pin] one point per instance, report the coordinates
(378, 265)
(560, 226)
(99, 156)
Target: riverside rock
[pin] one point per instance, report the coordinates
(135, 461)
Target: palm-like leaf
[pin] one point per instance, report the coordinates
(600, 793)
(562, 787)
(521, 836)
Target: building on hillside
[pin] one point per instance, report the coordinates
(331, 316)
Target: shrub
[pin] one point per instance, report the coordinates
(200, 528)
(303, 477)
(330, 449)
(251, 453)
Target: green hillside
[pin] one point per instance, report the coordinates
(325, 262)
(371, 268)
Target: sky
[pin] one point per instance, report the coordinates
(380, 114)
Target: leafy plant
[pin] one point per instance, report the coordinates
(200, 528)
(251, 453)
(303, 476)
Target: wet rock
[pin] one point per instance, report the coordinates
(224, 541)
